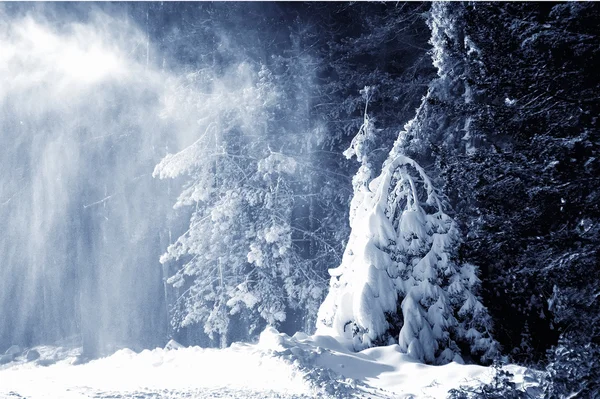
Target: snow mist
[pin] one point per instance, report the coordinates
(91, 101)
(84, 222)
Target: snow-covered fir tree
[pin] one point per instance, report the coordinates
(238, 261)
(400, 279)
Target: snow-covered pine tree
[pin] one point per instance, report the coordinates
(400, 280)
(243, 262)
(236, 255)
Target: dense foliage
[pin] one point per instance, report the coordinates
(511, 132)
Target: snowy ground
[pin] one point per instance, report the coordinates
(278, 366)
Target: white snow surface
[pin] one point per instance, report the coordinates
(278, 366)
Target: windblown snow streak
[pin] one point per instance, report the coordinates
(85, 221)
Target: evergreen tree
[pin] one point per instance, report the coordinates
(510, 126)
(528, 195)
(237, 251)
(399, 274)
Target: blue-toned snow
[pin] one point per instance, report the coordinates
(278, 366)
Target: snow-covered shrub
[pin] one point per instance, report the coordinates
(501, 387)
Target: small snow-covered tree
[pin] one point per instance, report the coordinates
(399, 280)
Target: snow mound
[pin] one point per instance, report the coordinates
(334, 370)
(278, 366)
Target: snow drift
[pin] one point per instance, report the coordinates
(278, 366)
